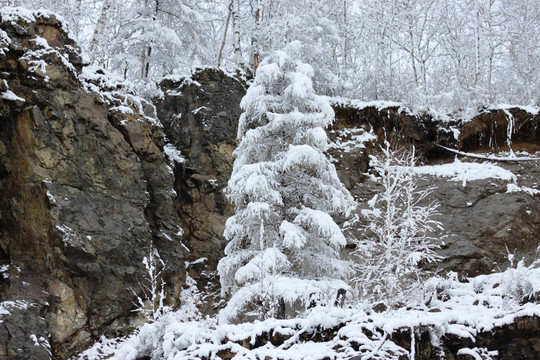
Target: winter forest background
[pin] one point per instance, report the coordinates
(447, 55)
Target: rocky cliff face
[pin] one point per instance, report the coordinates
(482, 218)
(86, 192)
(91, 181)
(200, 117)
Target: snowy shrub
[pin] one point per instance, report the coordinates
(153, 287)
(400, 232)
(170, 333)
(282, 237)
(517, 282)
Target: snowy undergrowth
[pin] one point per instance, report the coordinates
(449, 306)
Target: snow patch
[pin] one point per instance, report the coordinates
(198, 261)
(117, 93)
(466, 171)
(14, 14)
(4, 42)
(456, 132)
(478, 353)
(194, 112)
(513, 188)
(503, 156)
(4, 271)
(6, 306)
(51, 198)
(41, 341)
(10, 95)
(533, 110)
(69, 236)
(352, 139)
(173, 154)
(122, 109)
(360, 105)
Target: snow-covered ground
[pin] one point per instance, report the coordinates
(447, 306)
(466, 171)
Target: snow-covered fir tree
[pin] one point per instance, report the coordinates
(401, 232)
(283, 243)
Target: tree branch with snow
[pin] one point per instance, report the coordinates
(400, 231)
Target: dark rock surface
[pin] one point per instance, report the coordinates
(200, 117)
(483, 220)
(85, 193)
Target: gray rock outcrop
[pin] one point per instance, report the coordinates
(86, 192)
(200, 117)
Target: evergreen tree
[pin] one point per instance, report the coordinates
(283, 243)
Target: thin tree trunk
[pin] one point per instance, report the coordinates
(476, 44)
(424, 76)
(236, 29)
(255, 36)
(220, 56)
(413, 58)
(146, 64)
(492, 47)
(98, 31)
(144, 59)
(281, 308)
(345, 39)
(490, 76)
(340, 297)
(147, 52)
